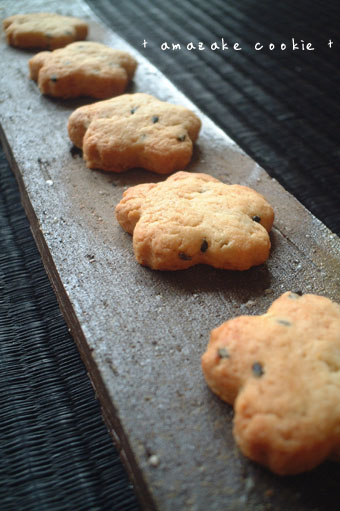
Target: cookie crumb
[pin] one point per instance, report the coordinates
(154, 460)
(250, 303)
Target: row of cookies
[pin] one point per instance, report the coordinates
(281, 371)
(229, 224)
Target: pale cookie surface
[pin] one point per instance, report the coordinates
(281, 371)
(43, 31)
(134, 130)
(83, 69)
(194, 218)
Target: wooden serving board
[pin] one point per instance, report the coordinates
(141, 333)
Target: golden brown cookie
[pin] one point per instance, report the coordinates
(281, 371)
(134, 130)
(82, 69)
(43, 30)
(194, 218)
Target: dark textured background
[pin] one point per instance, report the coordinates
(281, 107)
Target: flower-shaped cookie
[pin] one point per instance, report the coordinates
(82, 69)
(281, 371)
(44, 31)
(194, 218)
(134, 130)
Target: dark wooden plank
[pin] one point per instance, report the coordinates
(141, 333)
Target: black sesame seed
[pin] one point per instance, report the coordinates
(53, 78)
(184, 256)
(181, 138)
(256, 219)
(204, 246)
(283, 322)
(155, 119)
(257, 369)
(132, 111)
(223, 353)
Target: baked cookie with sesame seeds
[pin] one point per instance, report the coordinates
(83, 69)
(43, 31)
(193, 218)
(134, 130)
(281, 372)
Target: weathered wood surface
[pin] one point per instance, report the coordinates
(141, 333)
